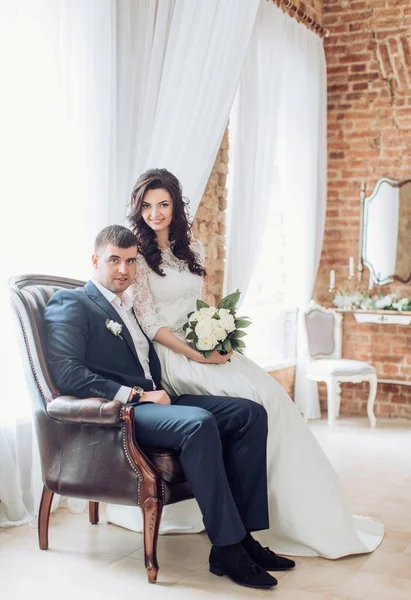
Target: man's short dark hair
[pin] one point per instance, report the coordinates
(119, 236)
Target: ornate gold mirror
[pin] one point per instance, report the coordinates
(385, 246)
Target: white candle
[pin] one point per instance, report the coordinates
(351, 266)
(370, 281)
(332, 279)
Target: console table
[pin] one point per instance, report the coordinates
(384, 318)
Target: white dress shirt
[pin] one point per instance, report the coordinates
(124, 307)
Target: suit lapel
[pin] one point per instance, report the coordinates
(97, 297)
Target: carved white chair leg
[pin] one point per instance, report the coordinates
(371, 400)
(337, 398)
(331, 399)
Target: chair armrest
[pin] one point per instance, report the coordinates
(92, 411)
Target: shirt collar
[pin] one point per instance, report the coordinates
(125, 301)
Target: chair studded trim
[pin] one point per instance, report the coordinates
(130, 462)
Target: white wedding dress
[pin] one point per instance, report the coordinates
(308, 512)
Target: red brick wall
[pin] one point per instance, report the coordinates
(209, 225)
(369, 136)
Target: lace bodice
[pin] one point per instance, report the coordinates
(166, 301)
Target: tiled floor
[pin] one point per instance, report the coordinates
(105, 562)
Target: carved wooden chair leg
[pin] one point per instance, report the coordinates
(152, 509)
(93, 512)
(44, 517)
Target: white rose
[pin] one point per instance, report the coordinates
(227, 321)
(195, 316)
(207, 342)
(366, 304)
(384, 302)
(204, 327)
(209, 312)
(219, 332)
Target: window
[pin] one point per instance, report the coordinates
(271, 339)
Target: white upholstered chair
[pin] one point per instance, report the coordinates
(323, 329)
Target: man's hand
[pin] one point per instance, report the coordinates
(158, 397)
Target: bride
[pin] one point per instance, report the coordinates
(308, 511)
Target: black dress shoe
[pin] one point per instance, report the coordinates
(266, 558)
(241, 569)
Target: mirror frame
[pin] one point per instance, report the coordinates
(363, 231)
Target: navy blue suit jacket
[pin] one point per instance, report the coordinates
(85, 359)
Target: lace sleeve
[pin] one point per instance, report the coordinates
(143, 301)
(198, 248)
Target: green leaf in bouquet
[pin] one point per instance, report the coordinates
(208, 353)
(238, 334)
(227, 345)
(244, 318)
(191, 336)
(240, 323)
(202, 304)
(219, 347)
(190, 314)
(239, 344)
(230, 301)
(186, 326)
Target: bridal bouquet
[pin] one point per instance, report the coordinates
(218, 328)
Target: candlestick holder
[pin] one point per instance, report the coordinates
(350, 295)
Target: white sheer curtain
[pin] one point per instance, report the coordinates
(57, 119)
(278, 142)
(253, 130)
(303, 181)
(191, 53)
(93, 93)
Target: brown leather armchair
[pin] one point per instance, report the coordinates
(87, 446)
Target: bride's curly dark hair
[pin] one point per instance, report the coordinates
(180, 227)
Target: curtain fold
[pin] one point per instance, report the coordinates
(303, 180)
(191, 64)
(253, 147)
(57, 118)
(278, 155)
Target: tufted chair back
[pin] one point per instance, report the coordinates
(323, 328)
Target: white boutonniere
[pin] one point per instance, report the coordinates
(114, 327)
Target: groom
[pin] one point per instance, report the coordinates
(96, 348)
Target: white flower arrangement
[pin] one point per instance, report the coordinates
(114, 327)
(375, 302)
(218, 328)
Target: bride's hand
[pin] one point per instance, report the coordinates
(216, 358)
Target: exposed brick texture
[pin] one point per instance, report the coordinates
(287, 379)
(209, 225)
(369, 136)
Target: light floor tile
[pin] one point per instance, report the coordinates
(401, 567)
(177, 551)
(105, 562)
(390, 588)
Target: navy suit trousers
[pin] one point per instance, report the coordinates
(222, 445)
